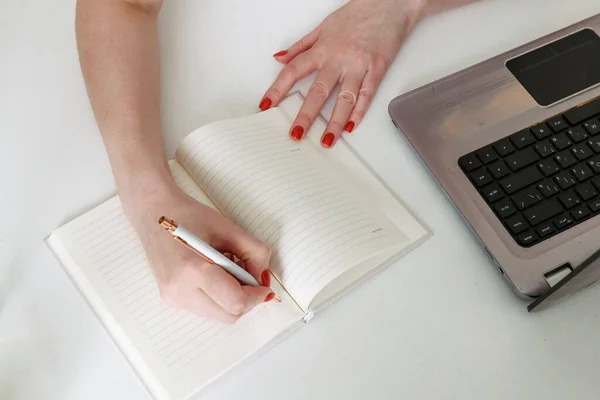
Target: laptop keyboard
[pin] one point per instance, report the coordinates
(544, 179)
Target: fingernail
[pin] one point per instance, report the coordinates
(349, 126)
(266, 278)
(297, 132)
(328, 139)
(269, 297)
(265, 104)
(280, 53)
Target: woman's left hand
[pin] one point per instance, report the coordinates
(354, 46)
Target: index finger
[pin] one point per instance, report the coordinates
(297, 69)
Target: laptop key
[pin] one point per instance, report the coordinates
(492, 193)
(504, 147)
(561, 141)
(582, 151)
(563, 221)
(521, 159)
(565, 159)
(499, 169)
(594, 206)
(594, 144)
(548, 188)
(546, 229)
(565, 180)
(487, 155)
(522, 139)
(515, 182)
(577, 134)
(582, 172)
(594, 165)
(517, 224)
(545, 149)
(569, 199)
(505, 208)
(543, 212)
(541, 131)
(586, 191)
(586, 111)
(528, 238)
(527, 198)
(469, 163)
(580, 213)
(592, 127)
(481, 177)
(557, 123)
(549, 167)
(596, 182)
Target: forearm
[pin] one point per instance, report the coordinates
(118, 50)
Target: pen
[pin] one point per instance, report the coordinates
(208, 254)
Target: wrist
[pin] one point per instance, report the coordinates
(140, 186)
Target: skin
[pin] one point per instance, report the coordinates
(118, 49)
(354, 46)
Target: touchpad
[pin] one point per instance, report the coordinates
(559, 69)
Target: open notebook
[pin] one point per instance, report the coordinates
(330, 221)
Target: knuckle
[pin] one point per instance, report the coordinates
(335, 126)
(359, 113)
(304, 118)
(381, 63)
(367, 94)
(319, 89)
(347, 97)
(300, 43)
(238, 304)
(290, 71)
(265, 250)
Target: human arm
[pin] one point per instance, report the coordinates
(119, 55)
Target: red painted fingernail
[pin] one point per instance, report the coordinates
(280, 53)
(266, 278)
(269, 297)
(349, 126)
(328, 139)
(265, 104)
(297, 132)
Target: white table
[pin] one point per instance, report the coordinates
(439, 324)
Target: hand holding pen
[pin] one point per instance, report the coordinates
(185, 280)
(210, 255)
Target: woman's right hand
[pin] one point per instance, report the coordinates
(184, 279)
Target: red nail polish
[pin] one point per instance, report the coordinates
(297, 132)
(349, 126)
(266, 278)
(269, 297)
(328, 139)
(280, 53)
(265, 104)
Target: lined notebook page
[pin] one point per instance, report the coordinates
(174, 350)
(286, 194)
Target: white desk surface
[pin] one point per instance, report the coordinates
(439, 324)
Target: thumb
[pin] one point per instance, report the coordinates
(257, 295)
(254, 253)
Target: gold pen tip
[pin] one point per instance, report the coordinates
(277, 299)
(168, 224)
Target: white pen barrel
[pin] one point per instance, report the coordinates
(238, 272)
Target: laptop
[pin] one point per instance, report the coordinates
(515, 144)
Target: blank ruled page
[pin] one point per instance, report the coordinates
(286, 193)
(178, 351)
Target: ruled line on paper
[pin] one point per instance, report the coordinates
(271, 187)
